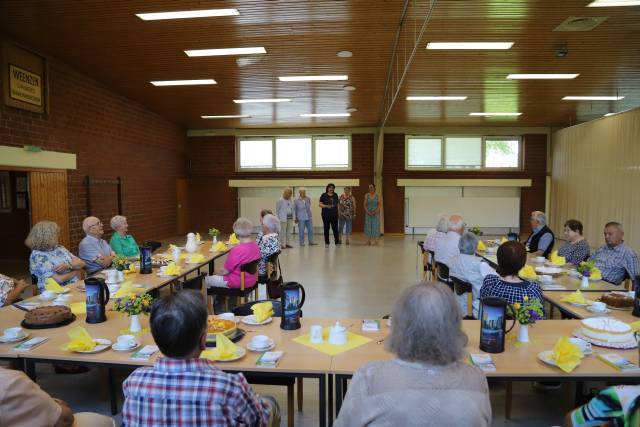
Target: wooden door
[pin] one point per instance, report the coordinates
(183, 205)
(49, 200)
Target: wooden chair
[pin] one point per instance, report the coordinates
(442, 274)
(242, 292)
(194, 283)
(245, 310)
(461, 287)
(427, 262)
(34, 285)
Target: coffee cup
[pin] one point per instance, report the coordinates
(260, 341)
(585, 347)
(13, 333)
(112, 276)
(48, 295)
(126, 341)
(315, 334)
(227, 316)
(598, 306)
(545, 278)
(540, 259)
(163, 269)
(63, 300)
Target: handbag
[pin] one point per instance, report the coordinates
(274, 283)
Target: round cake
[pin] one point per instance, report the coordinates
(49, 315)
(221, 326)
(617, 299)
(606, 329)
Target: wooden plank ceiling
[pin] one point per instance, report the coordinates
(104, 39)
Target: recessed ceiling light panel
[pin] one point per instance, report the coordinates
(541, 76)
(495, 114)
(312, 78)
(349, 88)
(223, 52)
(469, 45)
(345, 54)
(260, 100)
(613, 3)
(436, 98)
(183, 82)
(593, 98)
(237, 116)
(206, 13)
(352, 109)
(326, 115)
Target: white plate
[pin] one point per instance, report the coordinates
(598, 313)
(622, 346)
(545, 356)
(102, 345)
(575, 304)
(271, 345)
(251, 320)
(166, 275)
(240, 353)
(115, 347)
(6, 340)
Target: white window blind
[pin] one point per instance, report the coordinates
(424, 152)
(256, 154)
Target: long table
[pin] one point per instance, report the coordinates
(555, 299)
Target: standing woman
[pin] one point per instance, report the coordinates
(372, 201)
(302, 216)
(284, 212)
(346, 213)
(329, 204)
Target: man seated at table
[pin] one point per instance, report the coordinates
(181, 388)
(613, 406)
(95, 251)
(24, 404)
(541, 239)
(447, 246)
(615, 260)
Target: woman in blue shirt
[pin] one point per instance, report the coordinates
(302, 216)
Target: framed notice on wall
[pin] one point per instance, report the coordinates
(24, 79)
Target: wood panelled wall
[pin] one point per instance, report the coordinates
(532, 198)
(596, 176)
(49, 200)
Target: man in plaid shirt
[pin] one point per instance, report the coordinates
(615, 259)
(183, 390)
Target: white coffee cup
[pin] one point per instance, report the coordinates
(126, 341)
(176, 254)
(546, 278)
(13, 333)
(48, 295)
(540, 259)
(112, 276)
(315, 334)
(598, 306)
(585, 347)
(63, 300)
(163, 269)
(260, 341)
(227, 316)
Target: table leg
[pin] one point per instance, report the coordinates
(330, 397)
(322, 390)
(339, 384)
(113, 394)
(30, 369)
(211, 267)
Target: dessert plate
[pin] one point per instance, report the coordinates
(102, 345)
(240, 353)
(547, 357)
(619, 345)
(251, 320)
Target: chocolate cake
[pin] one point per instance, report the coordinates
(49, 315)
(618, 300)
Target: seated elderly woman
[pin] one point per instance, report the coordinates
(48, 259)
(470, 268)
(436, 234)
(512, 256)
(428, 380)
(243, 253)
(122, 243)
(10, 289)
(268, 241)
(576, 249)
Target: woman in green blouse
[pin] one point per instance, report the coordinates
(121, 242)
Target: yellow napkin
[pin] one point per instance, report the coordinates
(556, 259)
(79, 307)
(172, 269)
(575, 298)
(233, 240)
(80, 340)
(53, 286)
(262, 311)
(481, 246)
(224, 349)
(172, 247)
(527, 272)
(220, 247)
(635, 326)
(596, 274)
(198, 237)
(566, 354)
(124, 290)
(197, 258)
(503, 240)
(131, 269)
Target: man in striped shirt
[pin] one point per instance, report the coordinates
(615, 260)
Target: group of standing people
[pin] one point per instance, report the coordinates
(338, 213)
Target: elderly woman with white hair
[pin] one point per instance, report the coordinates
(48, 258)
(428, 379)
(268, 242)
(284, 211)
(541, 239)
(122, 243)
(93, 249)
(470, 268)
(243, 253)
(447, 247)
(436, 234)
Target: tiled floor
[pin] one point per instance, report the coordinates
(356, 281)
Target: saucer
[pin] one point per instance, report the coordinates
(5, 340)
(115, 347)
(546, 357)
(251, 320)
(101, 345)
(270, 346)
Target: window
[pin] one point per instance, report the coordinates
(462, 152)
(502, 152)
(294, 152)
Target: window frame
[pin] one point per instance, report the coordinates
(425, 168)
(520, 165)
(255, 138)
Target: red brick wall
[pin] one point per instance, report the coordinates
(111, 136)
(532, 198)
(212, 164)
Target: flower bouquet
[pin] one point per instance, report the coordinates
(134, 305)
(526, 313)
(214, 233)
(476, 230)
(121, 263)
(588, 269)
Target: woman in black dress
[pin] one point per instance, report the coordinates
(329, 204)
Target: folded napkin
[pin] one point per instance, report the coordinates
(635, 326)
(262, 311)
(198, 237)
(79, 307)
(172, 269)
(566, 354)
(224, 349)
(172, 247)
(503, 240)
(80, 340)
(481, 246)
(197, 258)
(596, 274)
(575, 298)
(125, 289)
(233, 240)
(53, 286)
(556, 259)
(131, 269)
(527, 272)
(220, 247)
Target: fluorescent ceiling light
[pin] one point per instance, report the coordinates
(470, 45)
(206, 13)
(541, 76)
(249, 101)
(593, 98)
(612, 3)
(326, 115)
(183, 82)
(238, 116)
(495, 114)
(436, 98)
(312, 78)
(222, 52)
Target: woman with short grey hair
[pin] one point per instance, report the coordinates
(122, 243)
(428, 380)
(437, 233)
(284, 212)
(269, 243)
(244, 252)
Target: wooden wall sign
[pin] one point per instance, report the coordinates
(24, 79)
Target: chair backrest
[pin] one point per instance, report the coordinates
(245, 309)
(421, 245)
(513, 236)
(34, 285)
(443, 272)
(250, 267)
(153, 244)
(461, 286)
(273, 257)
(195, 282)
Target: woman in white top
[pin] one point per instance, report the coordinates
(284, 212)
